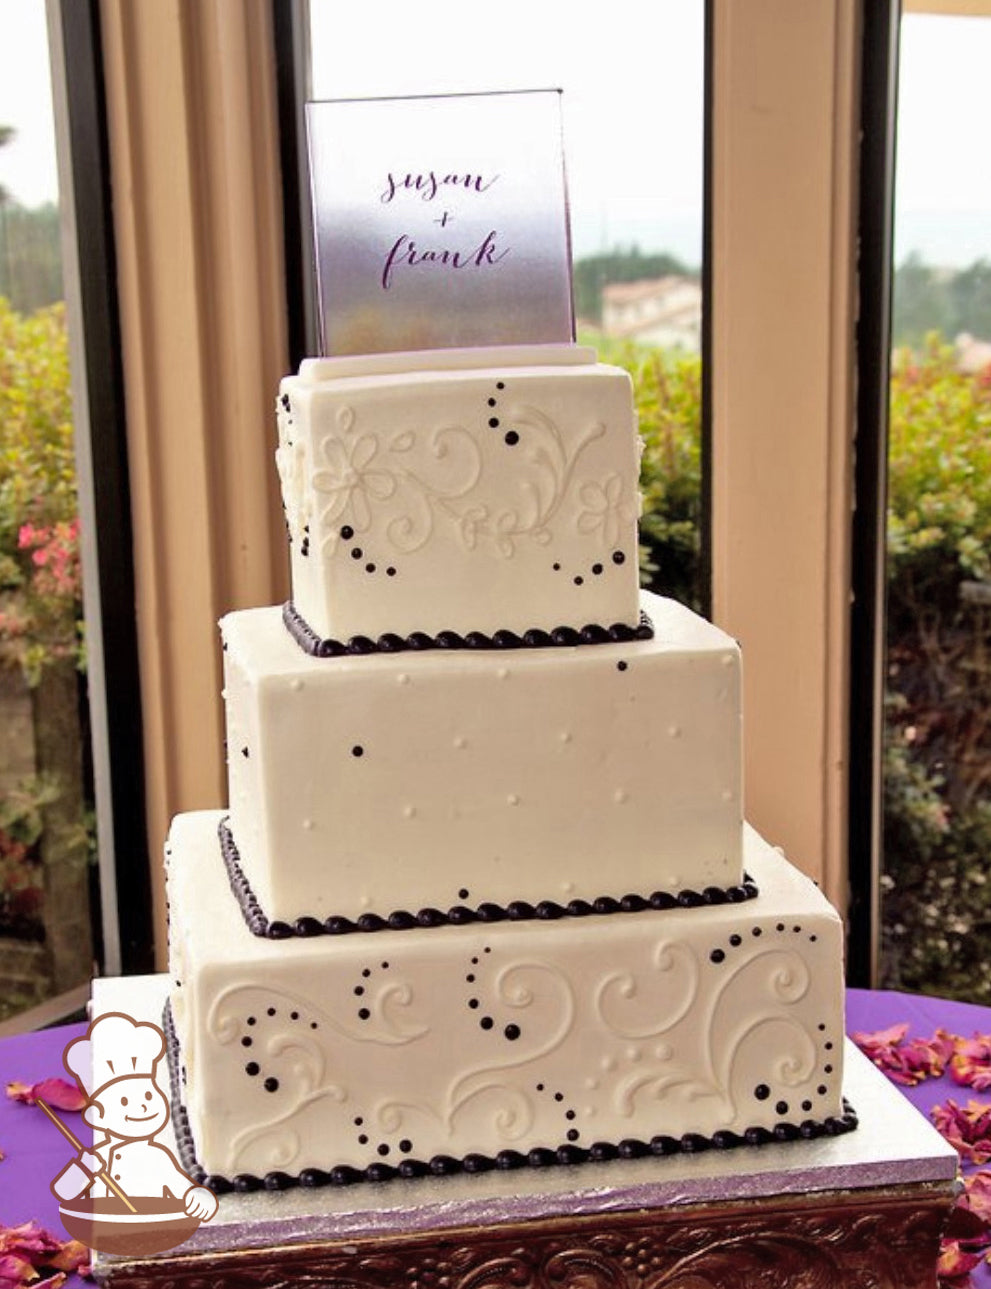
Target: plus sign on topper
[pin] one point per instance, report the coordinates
(440, 222)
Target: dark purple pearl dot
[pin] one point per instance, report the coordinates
(347, 532)
(500, 384)
(271, 1011)
(573, 1134)
(512, 1032)
(470, 977)
(618, 557)
(271, 1085)
(762, 1091)
(363, 1013)
(385, 966)
(390, 571)
(357, 750)
(806, 1106)
(717, 956)
(251, 1068)
(828, 1047)
(822, 1089)
(359, 990)
(294, 1015)
(245, 1042)
(556, 567)
(383, 1149)
(357, 552)
(486, 1022)
(369, 568)
(827, 1069)
(558, 1096)
(621, 666)
(313, 1024)
(405, 1145)
(491, 402)
(735, 941)
(493, 422)
(512, 438)
(358, 1121)
(757, 931)
(540, 1087)
(569, 1114)
(362, 1139)
(473, 1003)
(366, 972)
(579, 580)
(463, 894)
(781, 1107)
(251, 1020)
(596, 569)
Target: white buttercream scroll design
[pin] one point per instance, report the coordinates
(508, 1108)
(290, 461)
(290, 1035)
(399, 486)
(748, 999)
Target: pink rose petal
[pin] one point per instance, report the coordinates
(59, 1093)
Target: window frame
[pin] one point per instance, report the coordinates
(89, 268)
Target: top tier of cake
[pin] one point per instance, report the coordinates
(461, 490)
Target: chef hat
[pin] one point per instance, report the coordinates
(114, 1047)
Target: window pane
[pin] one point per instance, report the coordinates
(633, 108)
(46, 841)
(936, 897)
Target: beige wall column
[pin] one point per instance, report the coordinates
(198, 222)
(785, 129)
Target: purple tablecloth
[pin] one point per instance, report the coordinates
(35, 1152)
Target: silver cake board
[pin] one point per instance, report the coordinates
(894, 1149)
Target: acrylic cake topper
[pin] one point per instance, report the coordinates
(440, 222)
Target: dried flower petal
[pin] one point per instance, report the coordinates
(970, 1064)
(59, 1093)
(955, 1264)
(966, 1128)
(30, 1255)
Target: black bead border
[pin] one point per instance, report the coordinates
(691, 1143)
(420, 641)
(306, 926)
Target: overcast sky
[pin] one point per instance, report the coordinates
(644, 65)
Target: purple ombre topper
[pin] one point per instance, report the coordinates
(440, 222)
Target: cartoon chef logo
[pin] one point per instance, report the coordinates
(129, 1191)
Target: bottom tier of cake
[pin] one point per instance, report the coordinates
(503, 1041)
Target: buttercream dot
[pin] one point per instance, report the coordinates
(460, 741)
(513, 799)
(566, 736)
(674, 731)
(308, 825)
(296, 685)
(620, 796)
(409, 812)
(402, 678)
(633, 1053)
(503, 673)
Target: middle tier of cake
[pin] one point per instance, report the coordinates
(383, 783)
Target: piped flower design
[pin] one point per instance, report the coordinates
(350, 482)
(604, 510)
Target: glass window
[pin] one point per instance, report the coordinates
(633, 107)
(47, 851)
(936, 893)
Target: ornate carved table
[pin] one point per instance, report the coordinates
(865, 1210)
